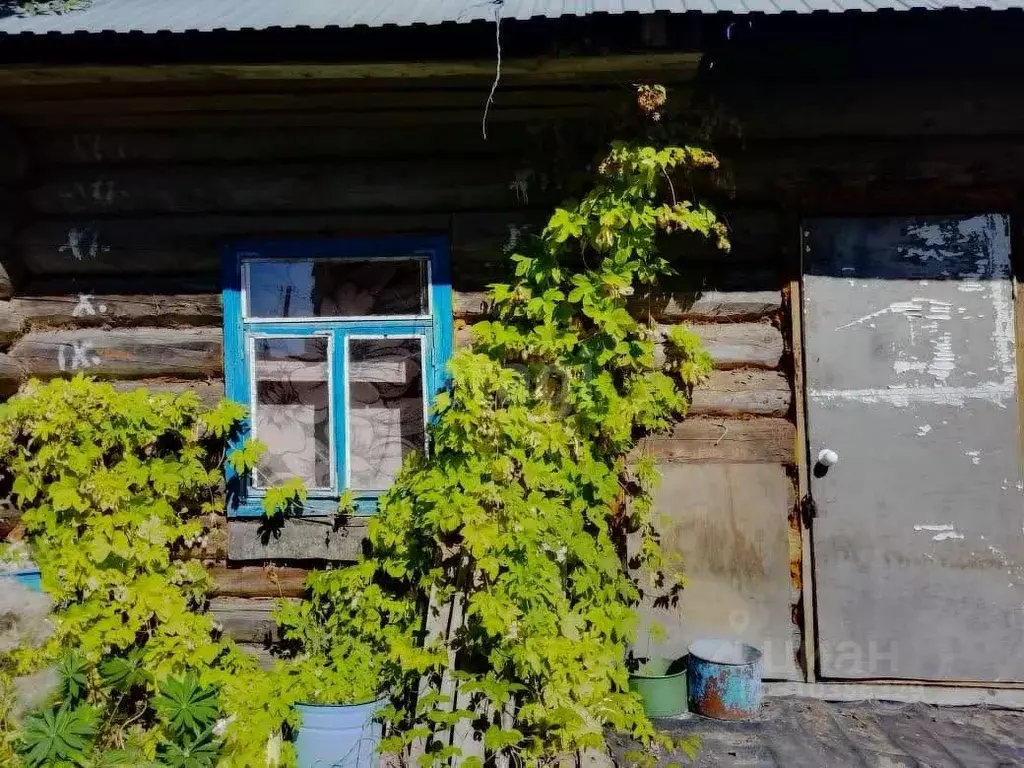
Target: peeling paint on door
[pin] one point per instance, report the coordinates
(911, 375)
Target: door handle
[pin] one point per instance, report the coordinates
(827, 457)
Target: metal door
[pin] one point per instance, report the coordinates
(911, 383)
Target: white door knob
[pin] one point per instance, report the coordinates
(827, 457)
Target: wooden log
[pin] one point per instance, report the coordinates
(12, 323)
(84, 247)
(341, 119)
(121, 354)
(203, 285)
(209, 392)
(306, 538)
(12, 375)
(701, 290)
(725, 276)
(246, 620)
(543, 70)
(668, 307)
(731, 345)
(184, 244)
(84, 309)
(873, 108)
(12, 270)
(13, 157)
(378, 186)
(481, 246)
(122, 147)
(743, 392)
(680, 87)
(6, 284)
(262, 655)
(257, 581)
(708, 305)
(735, 345)
(815, 171)
(484, 242)
(754, 234)
(360, 100)
(769, 441)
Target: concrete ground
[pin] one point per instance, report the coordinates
(795, 732)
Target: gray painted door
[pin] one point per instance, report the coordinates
(911, 379)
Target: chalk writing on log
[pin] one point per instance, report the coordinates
(85, 306)
(82, 355)
(521, 185)
(102, 191)
(83, 243)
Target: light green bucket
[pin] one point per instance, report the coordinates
(661, 684)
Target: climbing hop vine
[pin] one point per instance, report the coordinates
(506, 567)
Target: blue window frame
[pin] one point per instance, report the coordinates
(337, 348)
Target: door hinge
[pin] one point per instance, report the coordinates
(808, 510)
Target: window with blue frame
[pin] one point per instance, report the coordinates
(337, 348)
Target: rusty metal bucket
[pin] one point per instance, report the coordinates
(724, 679)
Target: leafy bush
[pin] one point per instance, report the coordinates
(69, 732)
(113, 487)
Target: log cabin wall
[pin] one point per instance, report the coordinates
(115, 213)
(123, 201)
(13, 166)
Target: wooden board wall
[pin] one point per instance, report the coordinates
(116, 246)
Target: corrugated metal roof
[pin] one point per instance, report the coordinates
(151, 16)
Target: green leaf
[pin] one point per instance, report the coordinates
(64, 497)
(122, 673)
(285, 498)
(497, 739)
(202, 751)
(245, 458)
(25, 488)
(222, 419)
(186, 706)
(73, 671)
(56, 736)
(99, 548)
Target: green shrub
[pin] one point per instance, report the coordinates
(113, 487)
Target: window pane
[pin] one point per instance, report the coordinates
(385, 416)
(337, 288)
(292, 413)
